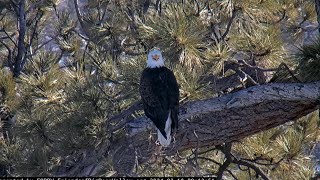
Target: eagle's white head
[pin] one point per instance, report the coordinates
(155, 59)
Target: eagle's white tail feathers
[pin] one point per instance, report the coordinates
(162, 140)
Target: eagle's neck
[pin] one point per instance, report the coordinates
(155, 64)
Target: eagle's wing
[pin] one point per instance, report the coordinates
(148, 96)
(154, 106)
(173, 95)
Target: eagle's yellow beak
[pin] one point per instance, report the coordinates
(155, 57)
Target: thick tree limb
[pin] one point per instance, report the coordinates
(227, 118)
(209, 122)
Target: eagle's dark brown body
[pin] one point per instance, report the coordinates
(160, 95)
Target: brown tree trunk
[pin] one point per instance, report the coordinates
(21, 45)
(317, 4)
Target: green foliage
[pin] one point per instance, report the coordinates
(190, 84)
(180, 40)
(216, 57)
(265, 42)
(63, 101)
(10, 153)
(288, 147)
(7, 89)
(308, 59)
(129, 78)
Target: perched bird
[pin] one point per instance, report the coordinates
(160, 96)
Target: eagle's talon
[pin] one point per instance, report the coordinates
(157, 143)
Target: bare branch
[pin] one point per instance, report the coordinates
(39, 47)
(35, 28)
(252, 166)
(258, 161)
(10, 36)
(226, 149)
(21, 46)
(317, 7)
(244, 63)
(80, 19)
(245, 76)
(234, 13)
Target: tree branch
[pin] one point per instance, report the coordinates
(226, 149)
(234, 12)
(9, 36)
(80, 19)
(255, 168)
(317, 7)
(121, 118)
(232, 117)
(21, 46)
(216, 121)
(244, 63)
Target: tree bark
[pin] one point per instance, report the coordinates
(317, 7)
(21, 46)
(206, 123)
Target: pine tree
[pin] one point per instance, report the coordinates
(70, 76)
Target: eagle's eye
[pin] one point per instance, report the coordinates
(155, 57)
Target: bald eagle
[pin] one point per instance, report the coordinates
(160, 96)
